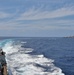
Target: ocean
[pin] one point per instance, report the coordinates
(39, 55)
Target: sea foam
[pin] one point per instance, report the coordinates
(20, 62)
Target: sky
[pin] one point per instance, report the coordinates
(37, 18)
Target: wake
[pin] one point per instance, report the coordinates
(22, 63)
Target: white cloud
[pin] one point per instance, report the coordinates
(4, 15)
(38, 25)
(38, 14)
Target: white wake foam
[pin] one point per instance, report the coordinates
(22, 63)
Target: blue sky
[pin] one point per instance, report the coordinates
(37, 18)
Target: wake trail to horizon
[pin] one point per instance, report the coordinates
(20, 62)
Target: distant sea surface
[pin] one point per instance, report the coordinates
(39, 55)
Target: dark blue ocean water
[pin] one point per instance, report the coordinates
(61, 50)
